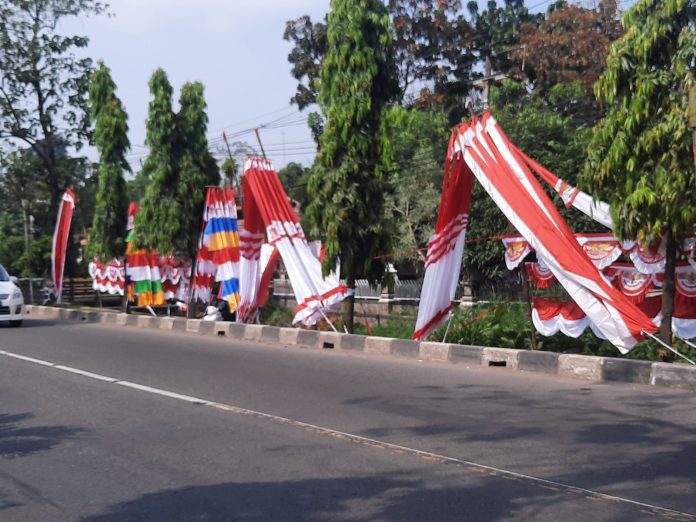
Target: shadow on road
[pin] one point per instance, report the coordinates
(17, 440)
(358, 498)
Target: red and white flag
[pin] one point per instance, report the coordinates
(267, 209)
(61, 237)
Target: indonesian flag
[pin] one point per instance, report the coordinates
(61, 236)
(267, 209)
(486, 150)
(445, 249)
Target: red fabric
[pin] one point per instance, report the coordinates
(61, 237)
(540, 278)
(543, 219)
(266, 277)
(549, 308)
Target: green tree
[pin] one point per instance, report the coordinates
(197, 167)
(347, 184)
(43, 83)
(157, 225)
(420, 145)
(111, 139)
(640, 157)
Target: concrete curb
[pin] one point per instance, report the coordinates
(581, 367)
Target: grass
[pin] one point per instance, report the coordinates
(500, 324)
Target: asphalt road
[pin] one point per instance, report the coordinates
(181, 427)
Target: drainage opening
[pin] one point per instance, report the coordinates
(328, 346)
(497, 363)
(221, 333)
(83, 318)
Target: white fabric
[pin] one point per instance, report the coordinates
(441, 278)
(571, 328)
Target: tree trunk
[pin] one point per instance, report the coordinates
(668, 290)
(348, 305)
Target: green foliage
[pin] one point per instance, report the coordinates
(640, 157)
(179, 168)
(358, 80)
(111, 139)
(420, 143)
(157, 224)
(44, 83)
(197, 167)
(34, 262)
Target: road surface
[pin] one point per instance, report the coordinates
(106, 423)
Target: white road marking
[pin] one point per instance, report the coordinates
(491, 470)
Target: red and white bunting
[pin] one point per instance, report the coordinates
(108, 278)
(61, 237)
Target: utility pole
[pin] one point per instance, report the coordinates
(258, 137)
(485, 83)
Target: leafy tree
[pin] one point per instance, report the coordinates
(420, 145)
(111, 139)
(179, 168)
(197, 167)
(431, 42)
(571, 44)
(358, 80)
(640, 157)
(306, 56)
(157, 225)
(43, 84)
(497, 31)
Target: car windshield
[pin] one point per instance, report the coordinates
(3, 274)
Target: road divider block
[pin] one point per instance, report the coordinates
(466, 354)
(673, 375)
(307, 339)
(351, 342)
(405, 348)
(434, 352)
(503, 357)
(626, 370)
(536, 361)
(378, 345)
(587, 368)
(580, 367)
(288, 336)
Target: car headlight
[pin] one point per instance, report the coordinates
(17, 295)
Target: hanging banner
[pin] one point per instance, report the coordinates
(267, 208)
(540, 275)
(516, 249)
(550, 317)
(222, 244)
(602, 249)
(647, 259)
(486, 151)
(631, 282)
(142, 270)
(61, 237)
(108, 279)
(445, 248)
(571, 196)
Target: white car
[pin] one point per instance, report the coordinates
(11, 299)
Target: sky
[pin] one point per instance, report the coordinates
(234, 47)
